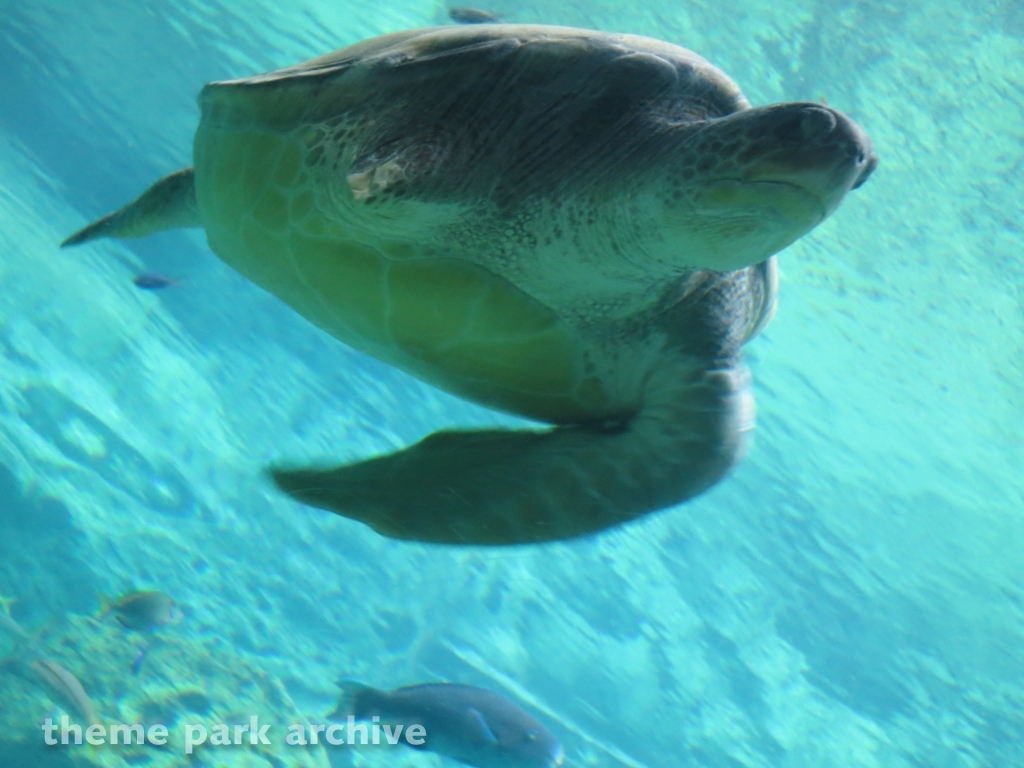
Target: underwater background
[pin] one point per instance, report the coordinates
(852, 595)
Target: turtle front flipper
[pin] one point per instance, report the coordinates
(168, 204)
(497, 487)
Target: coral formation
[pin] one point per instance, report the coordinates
(183, 680)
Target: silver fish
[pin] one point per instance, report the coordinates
(65, 690)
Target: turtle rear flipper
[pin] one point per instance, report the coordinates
(168, 204)
(499, 487)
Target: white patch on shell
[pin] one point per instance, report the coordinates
(375, 180)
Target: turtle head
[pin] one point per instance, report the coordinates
(748, 184)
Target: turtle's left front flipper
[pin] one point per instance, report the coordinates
(495, 487)
(168, 204)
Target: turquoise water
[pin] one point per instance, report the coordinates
(850, 596)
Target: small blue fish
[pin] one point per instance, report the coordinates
(472, 725)
(137, 661)
(153, 281)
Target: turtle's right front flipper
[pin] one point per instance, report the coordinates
(500, 487)
(168, 204)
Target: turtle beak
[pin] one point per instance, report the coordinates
(813, 147)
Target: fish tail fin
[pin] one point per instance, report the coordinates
(352, 701)
(106, 606)
(168, 204)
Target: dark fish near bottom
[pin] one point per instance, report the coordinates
(472, 16)
(472, 725)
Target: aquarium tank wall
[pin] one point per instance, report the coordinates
(849, 594)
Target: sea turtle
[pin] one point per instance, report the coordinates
(573, 226)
